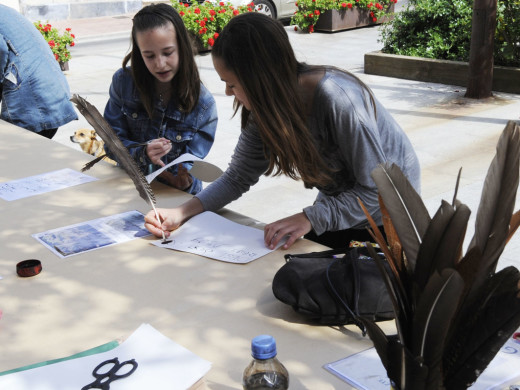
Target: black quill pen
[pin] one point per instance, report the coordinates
(123, 157)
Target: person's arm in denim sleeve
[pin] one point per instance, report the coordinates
(4, 52)
(116, 119)
(203, 139)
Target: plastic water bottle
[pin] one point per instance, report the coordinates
(265, 371)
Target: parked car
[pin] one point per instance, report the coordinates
(278, 9)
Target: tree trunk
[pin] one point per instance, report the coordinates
(480, 80)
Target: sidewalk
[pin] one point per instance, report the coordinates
(447, 130)
(96, 29)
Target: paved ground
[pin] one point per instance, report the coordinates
(447, 130)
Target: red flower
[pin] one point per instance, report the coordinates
(197, 11)
(317, 12)
(236, 12)
(202, 23)
(72, 43)
(215, 35)
(374, 19)
(182, 13)
(221, 4)
(72, 35)
(52, 43)
(186, 5)
(344, 5)
(56, 56)
(211, 41)
(311, 28)
(295, 28)
(67, 29)
(369, 5)
(310, 16)
(212, 12)
(349, 5)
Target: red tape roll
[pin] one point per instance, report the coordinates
(28, 268)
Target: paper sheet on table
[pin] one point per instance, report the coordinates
(365, 371)
(210, 235)
(40, 184)
(97, 233)
(162, 364)
(201, 169)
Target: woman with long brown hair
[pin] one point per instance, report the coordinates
(318, 124)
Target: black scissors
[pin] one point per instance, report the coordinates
(104, 378)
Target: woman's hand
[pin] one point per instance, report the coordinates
(182, 180)
(171, 219)
(292, 227)
(157, 148)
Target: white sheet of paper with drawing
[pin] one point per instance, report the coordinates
(210, 235)
(162, 365)
(40, 184)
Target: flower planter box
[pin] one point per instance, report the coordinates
(64, 66)
(505, 79)
(346, 19)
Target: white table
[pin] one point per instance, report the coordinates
(212, 308)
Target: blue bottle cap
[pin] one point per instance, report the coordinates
(263, 347)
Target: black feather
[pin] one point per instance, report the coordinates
(406, 208)
(121, 154)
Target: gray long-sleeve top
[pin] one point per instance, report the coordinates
(352, 135)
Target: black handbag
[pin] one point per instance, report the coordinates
(331, 289)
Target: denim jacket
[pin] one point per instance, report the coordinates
(192, 132)
(34, 92)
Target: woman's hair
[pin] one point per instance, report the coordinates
(257, 50)
(186, 83)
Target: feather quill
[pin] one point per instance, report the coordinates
(513, 225)
(498, 198)
(123, 157)
(435, 310)
(494, 316)
(406, 208)
(392, 237)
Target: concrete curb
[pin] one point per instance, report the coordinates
(437, 71)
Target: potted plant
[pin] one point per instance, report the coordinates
(58, 42)
(453, 310)
(336, 15)
(205, 21)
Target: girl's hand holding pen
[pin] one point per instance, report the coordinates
(157, 148)
(170, 221)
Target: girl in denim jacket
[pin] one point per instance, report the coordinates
(158, 106)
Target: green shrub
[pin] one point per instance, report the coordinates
(441, 29)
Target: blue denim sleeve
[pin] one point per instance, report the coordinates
(203, 139)
(3, 58)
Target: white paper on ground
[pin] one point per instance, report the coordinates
(162, 365)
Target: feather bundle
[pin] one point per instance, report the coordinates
(123, 157)
(453, 311)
